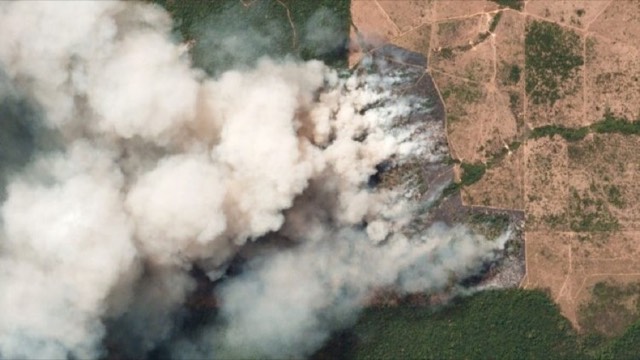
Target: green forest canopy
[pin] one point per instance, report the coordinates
(231, 33)
(504, 324)
(494, 324)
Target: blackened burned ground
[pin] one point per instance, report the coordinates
(433, 173)
(509, 268)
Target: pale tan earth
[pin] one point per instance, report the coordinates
(566, 12)
(502, 184)
(510, 34)
(609, 325)
(602, 162)
(447, 9)
(569, 266)
(559, 184)
(407, 15)
(475, 64)
(546, 181)
(612, 78)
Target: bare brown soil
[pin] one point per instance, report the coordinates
(605, 169)
(612, 78)
(465, 101)
(451, 56)
(578, 13)
(608, 314)
(619, 22)
(546, 180)
(417, 39)
(372, 24)
(581, 199)
(509, 38)
(569, 267)
(447, 9)
(502, 186)
(546, 255)
(408, 15)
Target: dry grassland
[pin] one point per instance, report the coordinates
(502, 186)
(502, 73)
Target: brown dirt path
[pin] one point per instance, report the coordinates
(378, 22)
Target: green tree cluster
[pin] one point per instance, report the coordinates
(231, 33)
(552, 57)
(513, 4)
(509, 324)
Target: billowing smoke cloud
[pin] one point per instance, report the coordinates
(287, 304)
(161, 168)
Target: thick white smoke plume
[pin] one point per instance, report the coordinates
(161, 168)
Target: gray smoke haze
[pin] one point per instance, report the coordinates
(287, 304)
(160, 167)
(226, 43)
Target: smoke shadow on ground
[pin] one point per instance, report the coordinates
(22, 131)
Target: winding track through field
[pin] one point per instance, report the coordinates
(563, 295)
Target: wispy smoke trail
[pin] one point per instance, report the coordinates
(161, 168)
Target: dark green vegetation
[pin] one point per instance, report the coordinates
(552, 58)
(495, 324)
(511, 324)
(569, 134)
(448, 28)
(614, 196)
(447, 53)
(232, 33)
(592, 210)
(616, 125)
(513, 4)
(587, 214)
(584, 151)
(510, 73)
(451, 189)
(489, 225)
(514, 74)
(611, 310)
(472, 173)
(495, 21)
(626, 347)
(609, 125)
